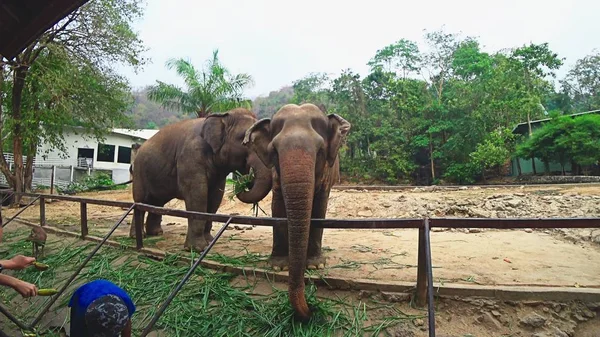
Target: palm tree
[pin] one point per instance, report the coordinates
(213, 89)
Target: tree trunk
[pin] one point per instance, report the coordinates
(431, 157)
(19, 75)
(31, 152)
(519, 166)
(533, 165)
(4, 166)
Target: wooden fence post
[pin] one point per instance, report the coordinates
(84, 224)
(421, 271)
(42, 211)
(52, 180)
(138, 221)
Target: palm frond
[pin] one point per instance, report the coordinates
(186, 70)
(170, 97)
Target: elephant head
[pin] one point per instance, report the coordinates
(302, 143)
(224, 133)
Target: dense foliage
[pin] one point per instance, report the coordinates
(66, 78)
(446, 113)
(565, 139)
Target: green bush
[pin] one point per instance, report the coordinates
(462, 173)
(95, 182)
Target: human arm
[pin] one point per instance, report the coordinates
(127, 331)
(24, 288)
(17, 262)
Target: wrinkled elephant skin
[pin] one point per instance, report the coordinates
(300, 144)
(190, 161)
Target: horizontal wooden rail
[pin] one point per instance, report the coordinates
(387, 223)
(513, 223)
(91, 201)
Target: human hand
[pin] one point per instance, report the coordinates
(26, 289)
(19, 262)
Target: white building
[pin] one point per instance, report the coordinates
(84, 152)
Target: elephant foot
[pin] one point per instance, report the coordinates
(279, 263)
(197, 245)
(315, 262)
(208, 237)
(154, 231)
(132, 233)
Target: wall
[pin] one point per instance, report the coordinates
(75, 141)
(527, 167)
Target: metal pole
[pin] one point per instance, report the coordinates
(21, 211)
(79, 269)
(185, 278)
(15, 320)
(431, 313)
(71, 170)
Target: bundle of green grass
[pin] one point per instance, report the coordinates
(243, 183)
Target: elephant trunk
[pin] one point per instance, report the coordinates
(297, 173)
(262, 183)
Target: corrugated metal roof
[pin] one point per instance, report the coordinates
(23, 21)
(140, 133)
(521, 126)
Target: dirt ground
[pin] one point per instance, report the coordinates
(455, 317)
(489, 257)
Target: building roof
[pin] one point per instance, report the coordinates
(522, 128)
(144, 134)
(23, 21)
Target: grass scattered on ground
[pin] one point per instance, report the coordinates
(208, 305)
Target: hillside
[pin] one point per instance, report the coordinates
(147, 114)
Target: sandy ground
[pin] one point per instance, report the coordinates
(509, 257)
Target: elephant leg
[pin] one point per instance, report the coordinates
(315, 258)
(195, 194)
(279, 259)
(215, 196)
(153, 221)
(132, 226)
(153, 227)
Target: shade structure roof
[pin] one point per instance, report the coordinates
(23, 21)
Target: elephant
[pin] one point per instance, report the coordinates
(190, 160)
(300, 143)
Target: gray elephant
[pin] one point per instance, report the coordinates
(300, 144)
(190, 161)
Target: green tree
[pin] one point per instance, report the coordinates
(212, 89)
(312, 89)
(493, 152)
(582, 83)
(87, 43)
(403, 55)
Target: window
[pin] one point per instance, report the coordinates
(124, 155)
(106, 153)
(85, 157)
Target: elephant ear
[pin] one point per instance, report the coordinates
(258, 139)
(338, 129)
(213, 131)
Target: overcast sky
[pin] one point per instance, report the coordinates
(278, 42)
